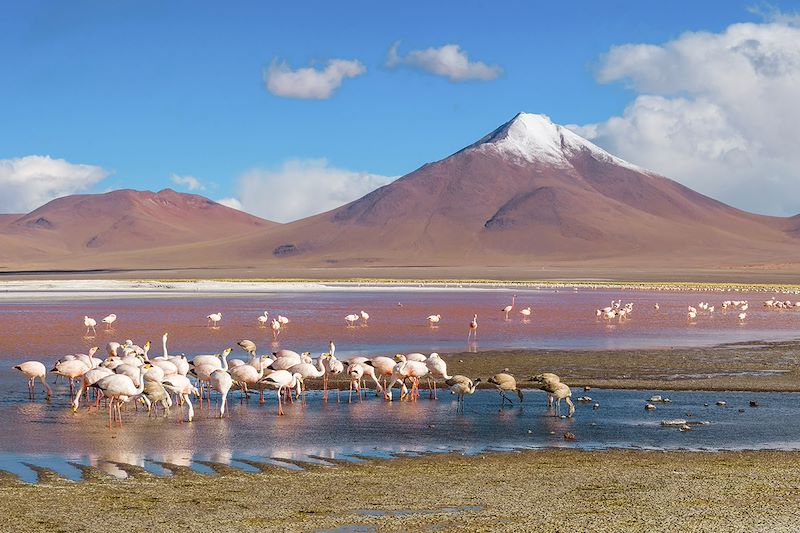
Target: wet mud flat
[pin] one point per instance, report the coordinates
(553, 490)
(746, 366)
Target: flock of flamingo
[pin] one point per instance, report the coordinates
(128, 373)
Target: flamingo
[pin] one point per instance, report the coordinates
(118, 389)
(367, 370)
(90, 323)
(461, 385)
(364, 316)
(108, 320)
(473, 328)
(384, 366)
(203, 372)
(282, 379)
(276, 328)
(356, 372)
(214, 319)
(434, 319)
(70, 369)
(33, 370)
(742, 316)
(248, 346)
(563, 392)
(88, 379)
(404, 368)
(656, 306)
(181, 386)
(507, 309)
(249, 375)
(525, 312)
(309, 370)
(263, 319)
(351, 319)
(505, 383)
(282, 320)
(548, 382)
(333, 367)
(155, 393)
(221, 381)
(436, 367)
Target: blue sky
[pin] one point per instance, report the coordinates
(147, 90)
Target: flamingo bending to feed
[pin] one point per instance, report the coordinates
(384, 367)
(473, 328)
(563, 392)
(351, 319)
(434, 319)
(283, 379)
(437, 368)
(367, 370)
(249, 375)
(214, 319)
(71, 370)
(119, 388)
(505, 383)
(507, 309)
(309, 370)
(525, 312)
(405, 369)
(356, 372)
(461, 386)
(33, 370)
(108, 320)
(547, 382)
(248, 346)
(155, 394)
(183, 388)
(89, 323)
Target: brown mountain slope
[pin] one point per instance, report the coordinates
(86, 226)
(529, 191)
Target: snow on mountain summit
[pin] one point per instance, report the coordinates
(534, 138)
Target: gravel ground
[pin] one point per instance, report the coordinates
(552, 490)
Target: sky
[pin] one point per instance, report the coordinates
(293, 108)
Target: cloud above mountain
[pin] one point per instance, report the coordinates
(28, 182)
(716, 111)
(448, 60)
(300, 188)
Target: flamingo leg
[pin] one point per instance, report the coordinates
(280, 406)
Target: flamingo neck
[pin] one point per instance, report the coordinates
(164, 346)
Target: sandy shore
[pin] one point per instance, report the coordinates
(557, 490)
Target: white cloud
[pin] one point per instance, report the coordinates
(716, 111)
(233, 203)
(31, 181)
(448, 60)
(190, 182)
(310, 83)
(302, 187)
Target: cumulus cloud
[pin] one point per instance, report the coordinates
(31, 181)
(233, 203)
(190, 182)
(302, 187)
(310, 83)
(716, 111)
(448, 60)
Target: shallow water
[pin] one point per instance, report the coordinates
(561, 319)
(50, 435)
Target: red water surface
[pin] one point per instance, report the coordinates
(562, 318)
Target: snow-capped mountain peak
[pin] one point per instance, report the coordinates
(534, 138)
